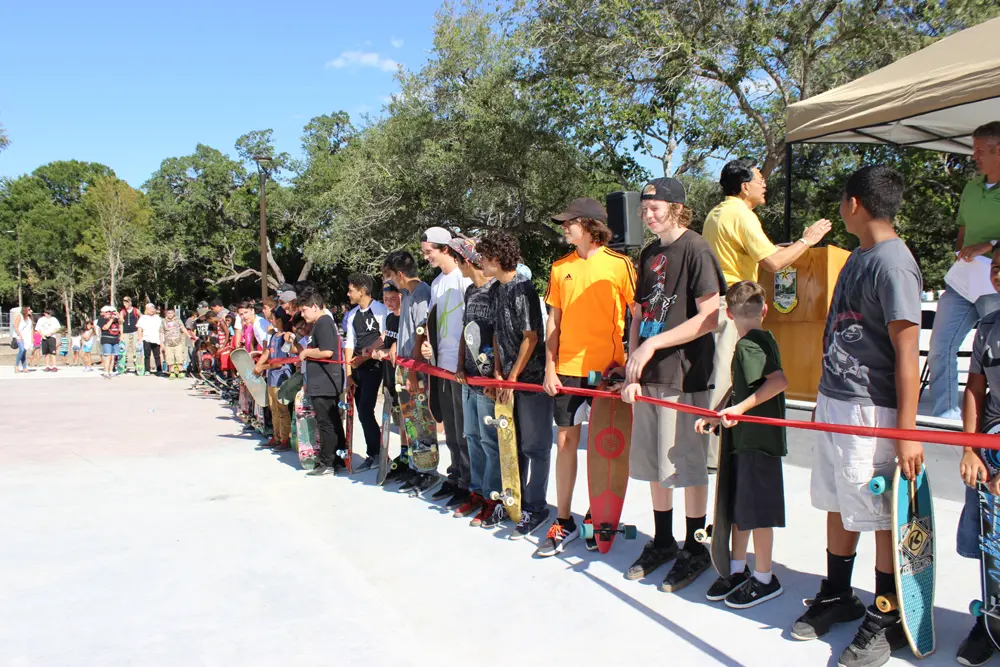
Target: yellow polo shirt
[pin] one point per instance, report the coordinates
(737, 239)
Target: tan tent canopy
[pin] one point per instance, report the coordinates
(933, 98)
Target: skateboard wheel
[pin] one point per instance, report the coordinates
(503, 422)
(509, 501)
(594, 378)
(877, 485)
(482, 358)
(885, 604)
(420, 331)
(702, 535)
(494, 496)
(630, 532)
(489, 421)
(587, 531)
(976, 608)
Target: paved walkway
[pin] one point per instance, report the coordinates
(141, 528)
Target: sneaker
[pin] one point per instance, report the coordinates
(977, 648)
(473, 505)
(367, 464)
(457, 499)
(879, 635)
(447, 490)
(497, 516)
(425, 483)
(689, 564)
(529, 523)
(723, 586)
(826, 610)
(271, 442)
(753, 592)
(409, 479)
(556, 539)
(590, 542)
(485, 510)
(339, 465)
(283, 446)
(319, 470)
(651, 558)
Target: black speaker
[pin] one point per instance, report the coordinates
(623, 219)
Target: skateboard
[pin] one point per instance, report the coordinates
(121, 357)
(254, 383)
(419, 424)
(483, 354)
(609, 436)
(719, 532)
(347, 405)
(290, 387)
(989, 544)
(305, 430)
(383, 450)
(430, 330)
(912, 557)
(510, 474)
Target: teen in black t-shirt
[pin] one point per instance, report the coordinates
(324, 383)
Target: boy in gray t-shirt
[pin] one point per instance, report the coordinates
(870, 378)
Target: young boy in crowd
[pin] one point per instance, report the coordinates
(277, 370)
(364, 326)
(175, 338)
(870, 378)
(980, 414)
(519, 349)
(757, 494)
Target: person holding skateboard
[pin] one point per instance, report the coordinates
(980, 409)
(365, 324)
(519, 356)
(110, 329)
(386, 355)
(870, 378)
(588, 295)
(671, 348)
(276, 371)
(756, 495)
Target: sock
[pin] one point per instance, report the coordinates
(885, 583)
(569, 524)
(762, 577)
(737, 566)
(838, 572)
(693, 523)
(664, 522)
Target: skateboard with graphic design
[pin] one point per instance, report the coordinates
(912, 558)
(481, 351)
(510, 473)
(347, 454)
(421, 429)
(306, 431)
(429, 329)
(989, 544)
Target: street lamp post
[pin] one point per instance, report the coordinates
(17, 233)
(262, 173)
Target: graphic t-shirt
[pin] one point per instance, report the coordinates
(364, 328)
(172, 333)
(756, 356)
(479, 313)
(671, 280)
(516, 310)
(876, 286)
(986, 361)
(111, 335)
(448, 294)
(47, 326)
(412, 313)
(324, 379)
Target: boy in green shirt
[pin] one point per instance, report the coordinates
(757, 495)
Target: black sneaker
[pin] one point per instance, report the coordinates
(723, 586)
(753, 592)
(977, 648)
(426, 482)
(320, 470)
(365, 465)
(398, 474)
(457, 499)
(497, 517)
(556, 539)
(690, 563)
(529, 523)
(826, 610)
(447, 490)
(590, 542)
(879, 635)
(410, 482)
(651, 558)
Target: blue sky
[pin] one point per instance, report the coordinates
(129, 84)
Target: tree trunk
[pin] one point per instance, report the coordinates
(67, 295)
(111, 270)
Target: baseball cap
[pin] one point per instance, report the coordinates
(286, 296)
(202, 311)
(583, 207)
(467, 249)
(665, 189)
(107, 309)
(438, 235)
(387, 286)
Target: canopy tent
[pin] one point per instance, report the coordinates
(932, 99)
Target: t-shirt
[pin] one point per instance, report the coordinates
(150, 325)
(111, 335)
(448, 294)
(324, 379)
(876, 286)
(391, 331)
(129, 319)
(76, 342)
(412, 313)
(364, 327)
(172, 333)
(756, 356)
(735, 234)
(516, 310)
(479, 310)
(275, 376)
(47, 326)
(979, 211)
(593, 295)
(986, 361)
(671, 280)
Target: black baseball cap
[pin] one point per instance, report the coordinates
(584, 207)
(389, 287)
(665, 189)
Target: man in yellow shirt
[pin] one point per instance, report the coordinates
(739, 243)
(589, 292)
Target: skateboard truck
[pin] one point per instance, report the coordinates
(496, 423)
(605, 531)
(595, 378)
(507, 496)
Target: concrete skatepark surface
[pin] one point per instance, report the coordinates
(141, 527)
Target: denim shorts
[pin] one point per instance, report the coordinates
(967, 539)
(109, 348)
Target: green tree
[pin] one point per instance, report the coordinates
(120, 222)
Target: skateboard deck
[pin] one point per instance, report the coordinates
(430, 330)
(306, 433)
(348, 452)
(121, 357)
(421, 429)
(609, 436)
(719, 532)
(912, 557)
(480, 351)
(383, 450)
(989, 545)
(510, 473)
(254, 383)
(289, 388)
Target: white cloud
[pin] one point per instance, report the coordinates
(396, 43)
(363, 59)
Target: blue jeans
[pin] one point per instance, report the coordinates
(22, 356)
(533, 414)
(954, 320)
(968, 526)
(484, 450)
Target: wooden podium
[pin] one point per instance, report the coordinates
(797, 318)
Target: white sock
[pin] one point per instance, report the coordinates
(737, 566)
(762, 577)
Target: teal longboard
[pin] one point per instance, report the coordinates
(912, 557)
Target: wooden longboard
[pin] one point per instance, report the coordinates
(510, 473)
(609, 436)
(255, 384)
(720, 531)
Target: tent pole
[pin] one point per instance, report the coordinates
(788, 192)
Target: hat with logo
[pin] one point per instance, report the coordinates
(387, 286)
(438, 235)
(467, 249)
(665, 189)
(584, 207)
